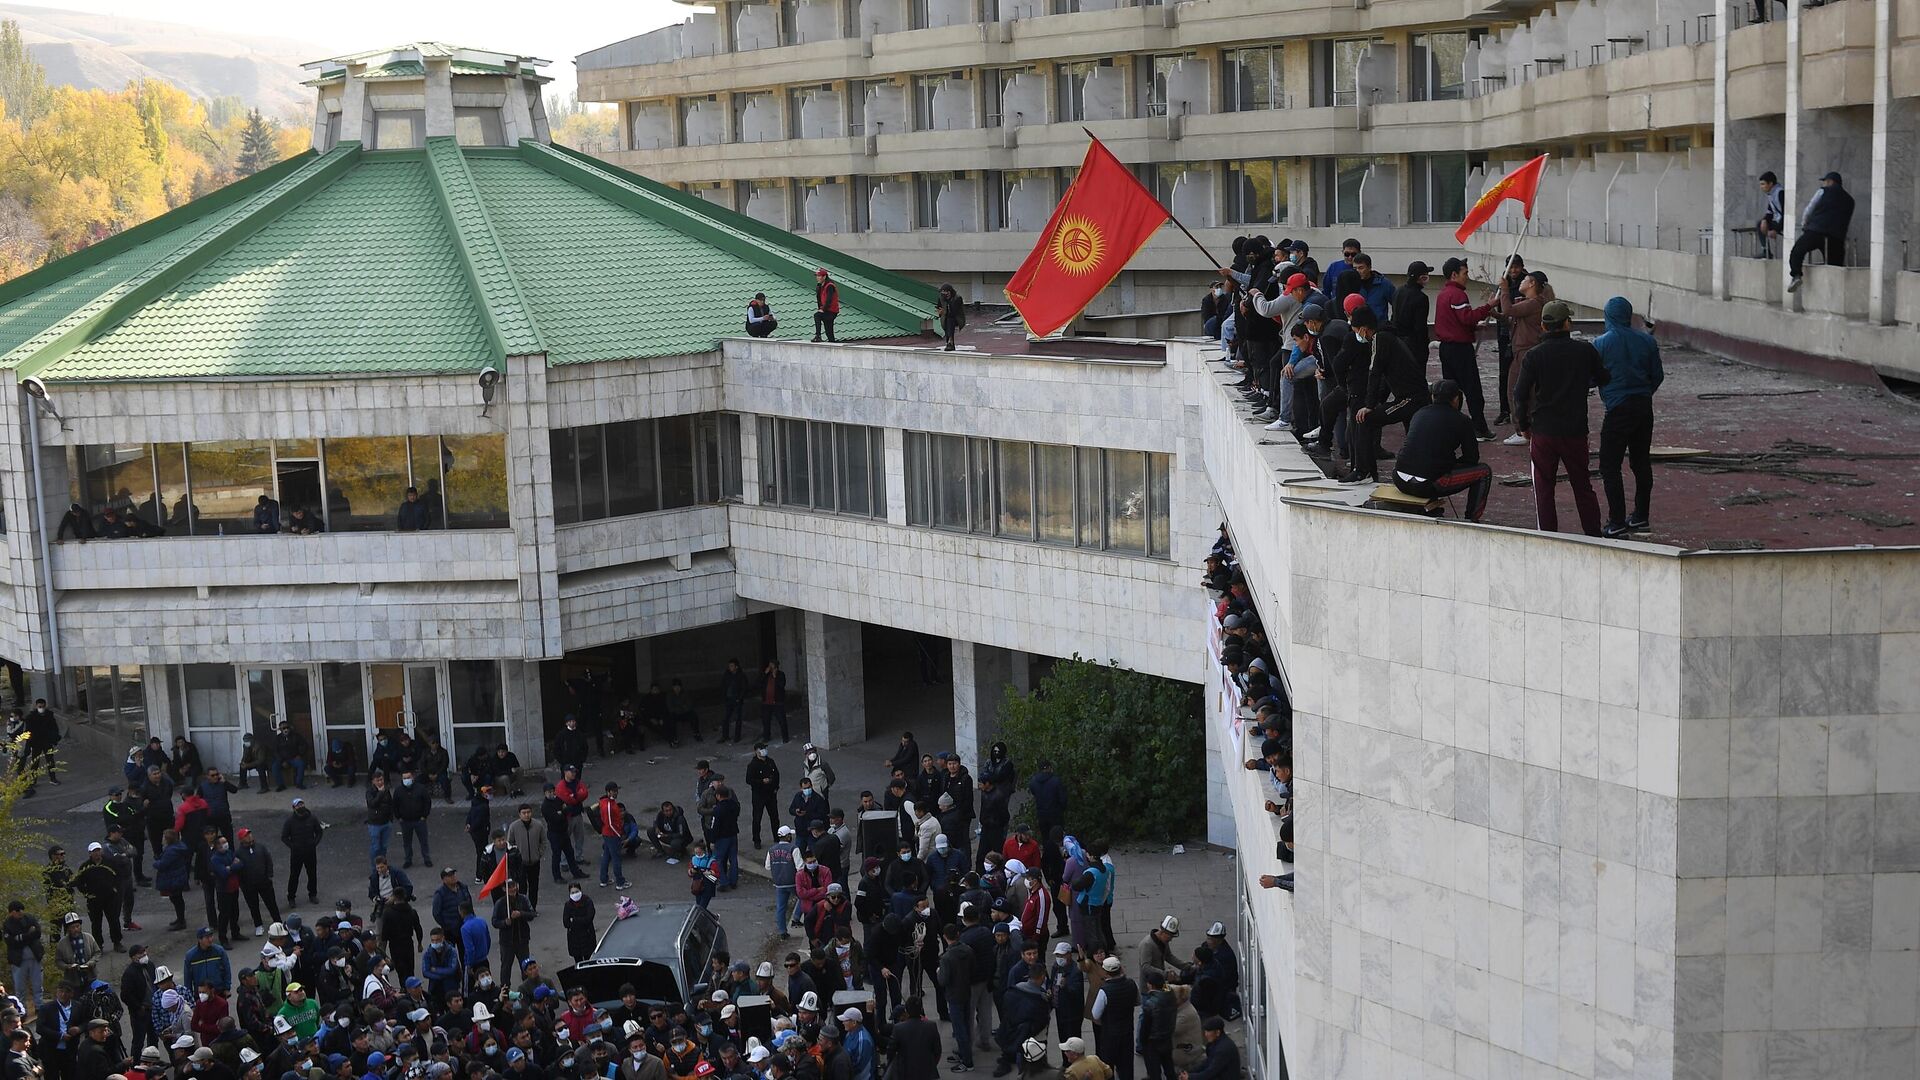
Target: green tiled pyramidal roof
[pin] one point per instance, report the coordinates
(439, 260)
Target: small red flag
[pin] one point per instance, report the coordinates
(1105, 217)
(498, 879)
(1522, 183)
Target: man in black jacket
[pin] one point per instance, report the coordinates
(1550, 409)
(412, 802)
(1823, 227)
(1410, 310)
(916, 1042)
(1157, 1010)
(763, 783)
(1441, 455)
(301, 834)
(570, 746)
(1396, 386)
(733, 696)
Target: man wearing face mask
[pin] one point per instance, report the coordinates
(763, 781)
(806, 807)
(640, 1064)
(411, 805)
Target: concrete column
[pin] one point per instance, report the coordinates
(1791, 174)
(1892, 173)
(981, 674)
(789, 642)
(530, 504)
(1021, 664)
(157, 686)
(837, 704)
(894, 443)
(439, 91)
(353, 106)
(750, 460)
(526, 719)
(1722, 216)
(642, 666)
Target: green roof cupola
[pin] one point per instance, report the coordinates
(397, 98)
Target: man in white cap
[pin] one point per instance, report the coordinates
(1156, 950)
(763, 983)
(781, 868)
(1113, 1010)
(1227, 964)
(858, 1044)
(1082, 1065)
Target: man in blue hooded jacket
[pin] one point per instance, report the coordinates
(1632, 358)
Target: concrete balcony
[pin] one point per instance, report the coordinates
(813, 62)
(640, 538)
(792, 157)
(1836, 56)
(1757, 71)
(1603, 98)
(284, 560)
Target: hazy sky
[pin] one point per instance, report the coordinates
(552, 31)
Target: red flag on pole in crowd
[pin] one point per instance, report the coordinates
(1522, 183)
(1105, 217)
(498, 879)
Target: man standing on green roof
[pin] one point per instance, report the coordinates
(826, 302)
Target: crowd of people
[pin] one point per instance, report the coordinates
(1246, 654)
(969, 934)
(1338, 357)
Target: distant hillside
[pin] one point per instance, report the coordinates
(106, 51)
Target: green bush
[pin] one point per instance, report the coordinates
(1129, 747)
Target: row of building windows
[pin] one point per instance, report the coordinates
(1201, 193)
(1112, 500)
(639, 466)
(816, 465)
(406, 129)
(351, 485)
(1248, 79)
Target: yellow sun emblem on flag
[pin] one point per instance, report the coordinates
(1078, 246)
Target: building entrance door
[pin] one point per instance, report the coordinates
(271, 696)
(409, 697)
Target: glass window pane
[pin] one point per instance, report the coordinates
(398, 129)
(213, 698)
(856, 470)
(345, 706)
(769, 452)
(1159, 504)
(919, 484)
(1053, 492)
(1126, 501)
(1087, 487)
(950, 482)
(119, 475)
(877, 464)
(426, 476)
(476, 471)
(593, 472)
(821, 437)
(366, 482)
(566, 476)
(474, 688)
(478, 127)
(1014, 460)
(676, 461)
(632, 484)
(171, 509)
(795, 489)
(981, 473)
(228, 480)
(1349, 172)
(388, 683)
(729, 455)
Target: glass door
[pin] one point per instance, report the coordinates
(283, 695)
(410, 697)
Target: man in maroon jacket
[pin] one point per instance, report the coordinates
(826, 303)
(1455, 320)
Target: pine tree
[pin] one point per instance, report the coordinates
(23, 82)
(256, 145)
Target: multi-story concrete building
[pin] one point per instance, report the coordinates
(1565, 808)
(933, 137)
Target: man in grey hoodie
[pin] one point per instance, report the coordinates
(1632, 358)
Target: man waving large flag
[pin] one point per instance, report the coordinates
(1104, 218)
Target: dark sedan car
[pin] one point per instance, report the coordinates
(662, 950)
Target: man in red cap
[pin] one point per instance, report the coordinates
(826, 303)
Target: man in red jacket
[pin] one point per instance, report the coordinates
(1455, 323)
(612, 821)
(826, 303)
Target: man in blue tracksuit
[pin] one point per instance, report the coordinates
(1632, 358)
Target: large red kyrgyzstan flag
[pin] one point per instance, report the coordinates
(1104, 218)
(1522, 183)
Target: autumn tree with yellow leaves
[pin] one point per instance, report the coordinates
(77, 166)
